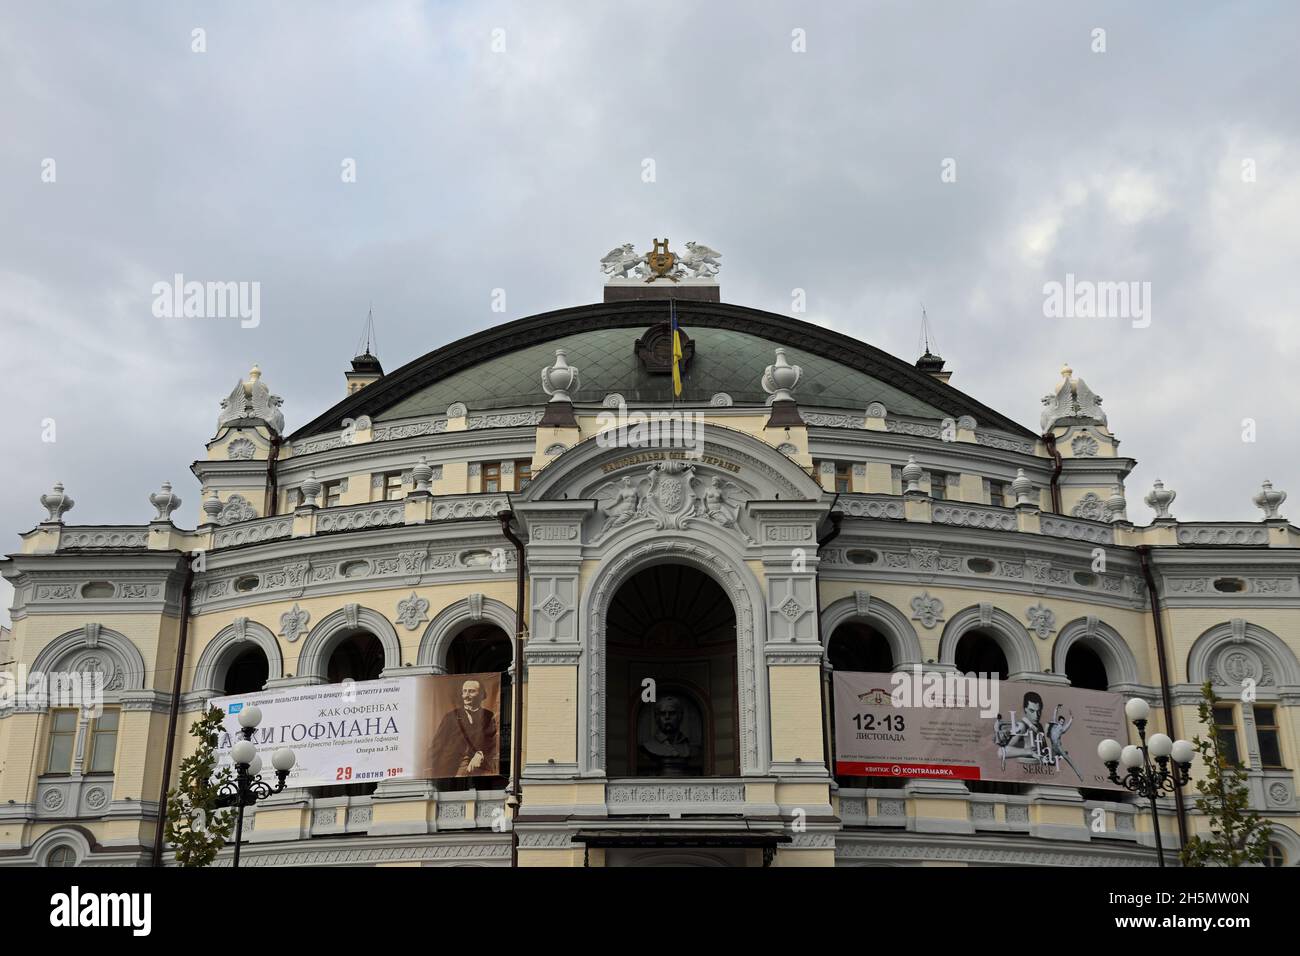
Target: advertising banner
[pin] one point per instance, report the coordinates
(354, 732)
(466, 715)
(955, 727)
(393, 728)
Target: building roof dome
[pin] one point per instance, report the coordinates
(730, 346)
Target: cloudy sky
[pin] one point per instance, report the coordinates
(503, 146)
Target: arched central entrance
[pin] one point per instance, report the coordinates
(671, 630)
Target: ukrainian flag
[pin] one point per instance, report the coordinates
(677, 351)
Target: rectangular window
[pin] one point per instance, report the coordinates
(103, 742)
(843, 478)
(333, 493)
(1270, 746)
(999, 494)
(392, 486)
(523, 474)
(938, 486)
(1226, 724)
(492, 477)
(63, 735)
(896, 478)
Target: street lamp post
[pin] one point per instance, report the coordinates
(1141, 776)
(248, 787)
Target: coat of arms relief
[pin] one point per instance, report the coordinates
(672, 495)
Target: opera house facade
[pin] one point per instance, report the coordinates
(667, 523)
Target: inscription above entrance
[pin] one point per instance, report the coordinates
(668, 455)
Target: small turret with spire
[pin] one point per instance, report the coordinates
(366, 369)
(929, 362)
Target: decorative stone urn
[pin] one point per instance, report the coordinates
(1116, 505)
(1023, 488)
(912, 475)
(310, 490)
(57, 503)
(423, 474)
(1269, 500)
(560, 379)
(211, 505)
(165, 502)
(780, 378)
(1159, 498)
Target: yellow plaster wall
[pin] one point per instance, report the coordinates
(552, 714)
(796, 712)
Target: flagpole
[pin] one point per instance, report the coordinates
(672, 346)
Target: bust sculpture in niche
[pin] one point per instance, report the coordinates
(665, 748)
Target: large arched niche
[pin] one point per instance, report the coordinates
(226, 645)
(1237, 650)
(904, 645)
(455, 618)
(1107, 643)
(95, 648)
(1012, 638)
(336, 627)
(704, 551)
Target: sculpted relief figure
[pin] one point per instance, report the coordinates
(624, 503)
(720, 501)
(715, 505)
(672, 496)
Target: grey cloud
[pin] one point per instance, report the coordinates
(479, 170)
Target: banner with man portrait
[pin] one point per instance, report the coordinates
(352, 732)
(955, 727)
(466, 725)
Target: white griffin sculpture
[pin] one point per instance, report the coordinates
(700, 260)
(618, 262)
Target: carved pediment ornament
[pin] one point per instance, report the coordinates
(671, 495)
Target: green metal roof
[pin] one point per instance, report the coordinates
(725, 361)
(501, 367)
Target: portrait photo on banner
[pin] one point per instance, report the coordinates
(466, 720)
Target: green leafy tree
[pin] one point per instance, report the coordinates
(1237, 834)
(196, 827)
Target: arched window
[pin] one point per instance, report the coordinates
(247, 673)
(856, 646)
(485, 649)
(981, 653)
(1276, 856)
(1084, 668)
(61, 856)
(359, 656)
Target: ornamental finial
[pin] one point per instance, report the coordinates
(780, 378)
(165, 502)
(559, 379)
(1269, 501)
(57, 503)
(1159, 498)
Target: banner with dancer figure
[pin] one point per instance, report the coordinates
(967, 727)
